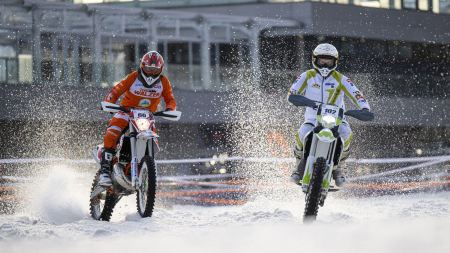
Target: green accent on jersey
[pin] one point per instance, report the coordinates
(309, 74)
(332, 99)
(348, 141)
(298, 141)
(330, 92)
(338, 76)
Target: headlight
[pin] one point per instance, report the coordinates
(328, 121)
(143, 124)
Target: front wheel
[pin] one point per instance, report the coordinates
(147, 186)
(101, 206)
(314, 191)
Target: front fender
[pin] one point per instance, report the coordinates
(147, 135)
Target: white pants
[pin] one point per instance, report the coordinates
(344, 131)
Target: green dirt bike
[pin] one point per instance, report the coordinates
(324, 151)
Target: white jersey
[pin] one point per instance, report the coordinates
(329, 90)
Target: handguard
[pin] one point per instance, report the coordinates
(363, 115)
(299, 100)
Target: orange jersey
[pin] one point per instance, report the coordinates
(138, 95)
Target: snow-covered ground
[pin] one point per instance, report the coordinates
(55, 219)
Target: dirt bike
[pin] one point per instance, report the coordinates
(134, 168)
(323, 150)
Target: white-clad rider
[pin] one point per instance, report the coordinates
(326, 85)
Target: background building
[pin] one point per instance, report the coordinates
(58, 59)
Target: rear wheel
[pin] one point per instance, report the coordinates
(147, 186)
(102, 205)
(314, 191)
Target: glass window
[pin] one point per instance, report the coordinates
(405, 51)
(444, 6)
(178, 53)
(12, 70)
(3, 75)
(409, 4)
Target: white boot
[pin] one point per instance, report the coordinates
(297, 174)
(338, 177)
(104, 179)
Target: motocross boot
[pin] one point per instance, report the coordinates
(297, 174)
(106, 168)
(338, 175)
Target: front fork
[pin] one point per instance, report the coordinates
(134, 160)
(134, 154)
(319, 149)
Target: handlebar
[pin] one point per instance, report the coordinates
(112, 108)
(299, 100)
(116, 107)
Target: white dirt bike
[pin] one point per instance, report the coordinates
(134, 168)
(325, 148)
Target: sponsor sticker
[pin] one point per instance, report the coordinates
(315, 85)
(147, 93)
(144, 102)
(330, 84)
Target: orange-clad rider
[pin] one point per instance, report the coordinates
(142, 88)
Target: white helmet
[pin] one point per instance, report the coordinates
(325, 58)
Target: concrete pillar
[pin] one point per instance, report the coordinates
(137, 56)
(242, 65)
(152, 44)
(301, 54)
(110, 64)
(56, 66)
(75, 60)
(165, 54)
(191, 65)
(217, 80)
(205, 56)
(36, 46)
(97, 47)
(64, 60)
(254, 55)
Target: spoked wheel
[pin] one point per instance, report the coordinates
(102, 205)
(314, 191)
(147, 186)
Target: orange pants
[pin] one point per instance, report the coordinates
(115, 128)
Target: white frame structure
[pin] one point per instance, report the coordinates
(97, 26)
